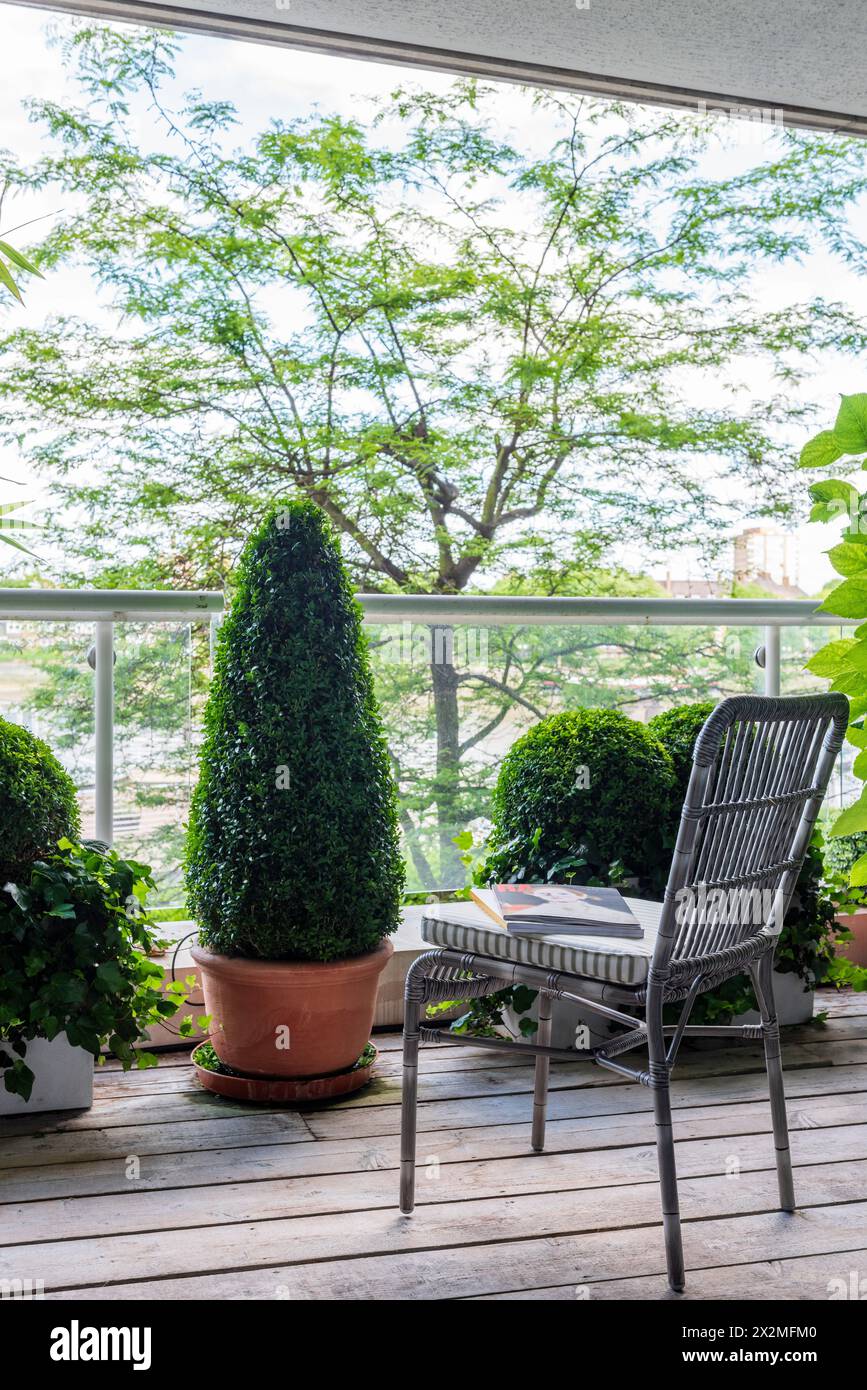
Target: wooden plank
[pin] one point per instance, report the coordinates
(177, 1137)
(175, 1071)
(811, 1277)
(175, 1209)
(506, 1107)
(236, 1127)
(274, 1159)
(447, 1271)
(110, 1111)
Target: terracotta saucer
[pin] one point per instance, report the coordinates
(276, 1090)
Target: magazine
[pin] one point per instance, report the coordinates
(559, 909)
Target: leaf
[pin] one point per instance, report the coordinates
(6, 279)
(848, 557)
(831, 658)
(849, 599)
(7, 540)
(832, 499)
(18, 258)
(850, 427)
(851, 820)
(464, 840)
(821, 451)
(858, 873)
(110, 977)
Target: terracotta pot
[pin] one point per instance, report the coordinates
(855, 950)
(290, 1018)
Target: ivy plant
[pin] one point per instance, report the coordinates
(75, 939)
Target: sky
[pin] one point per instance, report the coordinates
(266, 82)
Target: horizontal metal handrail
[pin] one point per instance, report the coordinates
(501, 610)
(496, 610)
(110, 605)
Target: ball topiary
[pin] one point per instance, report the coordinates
(677, 730)
(581, 792)
(293, 850)
(38, 803)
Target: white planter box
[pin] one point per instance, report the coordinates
(64, 1079)
(794, 1002)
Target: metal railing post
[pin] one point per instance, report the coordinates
(103, 691)
(772, 659)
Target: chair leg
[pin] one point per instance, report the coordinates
(668, 1187)
(764, 987)
(409, 1098)
(540, 1089)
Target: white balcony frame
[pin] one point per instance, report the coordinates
(106, 607)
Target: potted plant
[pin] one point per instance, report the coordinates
(841, 856)
(293, 864)
(74, 938)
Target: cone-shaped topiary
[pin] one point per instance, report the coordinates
(293, 849)
(580, 792)
(38, 804)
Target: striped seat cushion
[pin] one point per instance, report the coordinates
(465, 927)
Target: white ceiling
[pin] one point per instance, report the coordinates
(806, 56)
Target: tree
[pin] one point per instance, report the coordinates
(293, 849)
(11, 261)
(463, 350)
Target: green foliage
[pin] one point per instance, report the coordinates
(11, 260)
(38, 804)
(14, 525)
(293, 846)
(844, 661)
(584, 794)
(677, 730)
(74, 942)
(842, 853)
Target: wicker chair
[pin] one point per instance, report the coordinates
(760, 770)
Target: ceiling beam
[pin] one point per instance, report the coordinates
(438, 60)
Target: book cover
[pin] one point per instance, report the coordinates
(558, 908)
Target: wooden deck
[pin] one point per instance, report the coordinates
(163, 1191)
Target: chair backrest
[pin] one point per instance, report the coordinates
(760, 770)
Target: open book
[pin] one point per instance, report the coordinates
(558, 909)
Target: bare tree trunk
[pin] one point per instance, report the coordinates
(446, 790)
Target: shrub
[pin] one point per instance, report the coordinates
(74, 939)
(293, 849)
(584, 794)
(677, 730)
(38, 805)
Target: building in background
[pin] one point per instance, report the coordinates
(764, 556)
